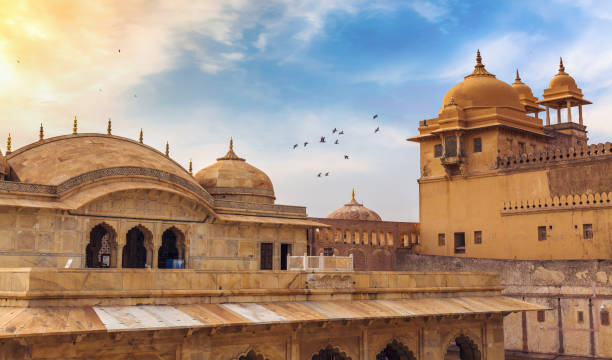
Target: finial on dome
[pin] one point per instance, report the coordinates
(518, 78)
(74, 126)
(140, 137)
(109, 128)
(231, 155)
(561, 67)
(8, 144)
(479, 68)
(190, 167)
(41, 133)
(231, 148)
(478, 57)
(167, 149)
(353, 195)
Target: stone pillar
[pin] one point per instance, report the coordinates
(558, 115)
(363, 353)
(432, 349)
(580, 114)
(493, 342)
(569, 111)
(547, 115)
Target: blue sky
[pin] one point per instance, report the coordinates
(275, 73)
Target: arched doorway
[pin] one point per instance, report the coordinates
(171, 254)
(101, 251)
(462, 348)
(330, 353)
(137, 252)
(251, 355)
(395, 351)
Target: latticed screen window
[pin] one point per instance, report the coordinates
(541, 233)
(541, 316)
(437, 150)
(266, 256)
(441, 239)
(450, 143)
(587, 231)
(477, 145)
(477, 237)
(328, 251)
(605, 318)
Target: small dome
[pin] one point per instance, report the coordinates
(521, 88)
(562, 81)
(354, 211)
(232, 178)
(482, 89)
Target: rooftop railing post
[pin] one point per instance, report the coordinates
(305, 261)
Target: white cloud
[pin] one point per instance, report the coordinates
(432, 11)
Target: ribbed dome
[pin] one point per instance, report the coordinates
(354, 211)
(232, 178)
(562, 81)
(482, 89)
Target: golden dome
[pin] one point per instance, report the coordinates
(354, 211)
(232, 178)
(482, 89)
(521, 88)
(562, 81)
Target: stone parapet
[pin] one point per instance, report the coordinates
(555, 156)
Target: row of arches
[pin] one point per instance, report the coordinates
(461, 348)
(102, 250)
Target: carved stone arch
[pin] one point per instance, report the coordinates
(101, 249)
(173, 247)
(330, 353)
(138, 249)
(461, 347)
(252, 355)
(395, 351)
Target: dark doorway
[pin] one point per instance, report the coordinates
(285, 251)
(330, 353)
(459, 243)
(395, 351)
(98, 251)
(266, 256)
(251, 355)
(463, 348)
(134, 251)
(168, 254)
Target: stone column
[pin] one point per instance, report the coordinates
(569, 111)
(547, 115)
(558, 115)
(580, 114)
(363, 353)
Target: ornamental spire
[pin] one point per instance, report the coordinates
(479, 68)
(190, 167)
(167, 149)
(109, 127)
(231, 148)
(561, 67)
(74, 126)
(41, 133)
(353, 195)
(231, 155)
(140, 137)
(518, 78)
(8, 144)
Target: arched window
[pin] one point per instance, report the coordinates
(330, 353)
(101, 251)
(171, 253)
(251, 355)
(462, 348)
(138, 249)
(395, 351)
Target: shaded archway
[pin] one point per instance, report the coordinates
(101, 251)
(330, 353)
(462, 348)
(171, 253)
(395, 351)
(138, 249)
(251, 355)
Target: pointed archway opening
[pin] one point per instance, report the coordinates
(462, 348)
(138, 249)
(395, 351)
(101, 251)
(330, 353)
(171, 253)
(252, 355)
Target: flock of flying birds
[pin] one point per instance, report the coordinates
(336, 132)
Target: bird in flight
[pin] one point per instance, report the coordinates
(294, 146)
(375, 116)
(334, 131)
(327, 173)
(18, 61)
(337, 142)
(346, 157)
(341, 132)
(377, 130)
(319, 175)
(322, 139)
(305, 143)
(119, 50)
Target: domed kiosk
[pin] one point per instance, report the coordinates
(354, 211)
(232, 178)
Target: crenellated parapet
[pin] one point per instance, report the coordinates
(576, 201)
(554, 155)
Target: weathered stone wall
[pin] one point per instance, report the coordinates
(567, 287)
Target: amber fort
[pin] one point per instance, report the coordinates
(109, 249)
